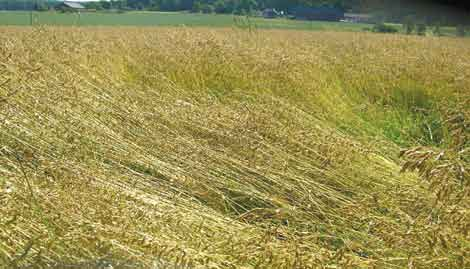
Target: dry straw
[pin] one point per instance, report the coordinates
(202, 148)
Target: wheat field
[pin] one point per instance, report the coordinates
(127, 147)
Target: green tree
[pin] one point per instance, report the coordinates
(421, 28)
(409, 25)
(94, 5)
(245, 6)
(384, 28)
(208, 9)
(437, 29)
(220, 6)
(41, 6)
(461, 31)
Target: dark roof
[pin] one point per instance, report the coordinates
(73, 5)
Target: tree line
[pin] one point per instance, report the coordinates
(218, 6)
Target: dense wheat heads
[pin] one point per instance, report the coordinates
(207, 148)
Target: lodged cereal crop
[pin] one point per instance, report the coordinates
(223, 148)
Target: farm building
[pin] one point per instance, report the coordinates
(270, 13)
(69, 6)
(317, 13)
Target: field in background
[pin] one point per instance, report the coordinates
(224, 148)
(163, 19)
(146, 18)
(184, 19)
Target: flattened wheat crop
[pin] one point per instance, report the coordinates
(203, 148)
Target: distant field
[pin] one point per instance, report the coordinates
(165, 19)
(179, 19)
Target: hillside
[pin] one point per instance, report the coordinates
(223, 148)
